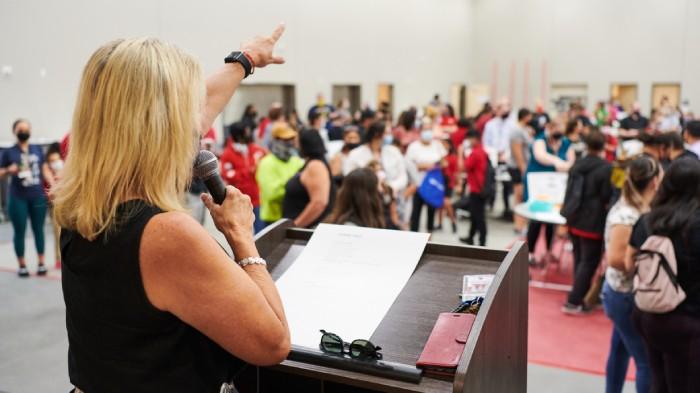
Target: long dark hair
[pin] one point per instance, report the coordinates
(678, 198)
(311, 146)
(359, 201)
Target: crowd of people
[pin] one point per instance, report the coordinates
(629, 178)
(298, 170)
(373, 170)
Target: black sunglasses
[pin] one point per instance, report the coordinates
(358, 349)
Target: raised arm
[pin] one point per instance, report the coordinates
(223, 83)
(539, 150)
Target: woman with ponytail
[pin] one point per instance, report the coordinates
(642, 180)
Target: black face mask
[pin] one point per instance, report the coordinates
(504, 116)
(23, 136)
(282, 150)
(557, 136)
(350, 146)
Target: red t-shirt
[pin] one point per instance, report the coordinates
(238, 169)
(448, 121)
(65, 142)
(611, 141)
(475, 165)
(261, 128)
(458, 136)
(451, 170)
(481, 123)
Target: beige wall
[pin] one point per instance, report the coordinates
(419, 46)
(591, 42)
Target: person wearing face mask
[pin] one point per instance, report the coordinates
(550, 152)
(239, 162)
(55, 164)
(631, 125)
(423, 155)
(275, 169)
(378, 145)
(25, 164)
(351, 140)
(250, 117)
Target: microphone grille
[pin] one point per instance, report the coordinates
(205, 165)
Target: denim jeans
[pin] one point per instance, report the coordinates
(625, 342)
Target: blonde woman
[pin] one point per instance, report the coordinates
(153, 304)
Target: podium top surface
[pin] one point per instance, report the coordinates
(433, 288)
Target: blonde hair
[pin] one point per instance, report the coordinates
(134, 133)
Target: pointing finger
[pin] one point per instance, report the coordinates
(278, 32)
(277, 60)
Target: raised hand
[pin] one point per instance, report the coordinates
(261, 48)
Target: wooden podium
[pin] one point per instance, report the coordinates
(494, 358)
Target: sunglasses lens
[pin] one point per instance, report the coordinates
(362, 349)
(331, 343)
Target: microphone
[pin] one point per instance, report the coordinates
(206, 168)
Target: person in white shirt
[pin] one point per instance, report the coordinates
(423, 155)
(497, 138)
(378, 147)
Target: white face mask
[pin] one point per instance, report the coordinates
(426, 135)
(56, 166)
(241, 148)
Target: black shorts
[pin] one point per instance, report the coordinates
(515, 176)
(449, 191)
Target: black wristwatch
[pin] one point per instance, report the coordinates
(245, 60)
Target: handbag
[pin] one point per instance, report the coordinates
(432, 189)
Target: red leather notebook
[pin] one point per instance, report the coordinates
(446, 342)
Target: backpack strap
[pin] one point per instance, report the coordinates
(663, 263)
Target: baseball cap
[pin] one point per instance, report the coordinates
(283, 131)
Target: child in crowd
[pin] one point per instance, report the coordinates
(391, 213)
(449, 172)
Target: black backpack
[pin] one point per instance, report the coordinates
(573, 198)
(488, 191)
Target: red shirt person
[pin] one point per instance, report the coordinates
(475, 166)
(239, 162)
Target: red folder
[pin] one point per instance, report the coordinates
(446, 342)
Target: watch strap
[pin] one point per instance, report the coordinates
(244, 59)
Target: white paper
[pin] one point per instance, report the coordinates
(345, 281)
(547, 186)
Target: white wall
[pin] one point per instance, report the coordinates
(421, 46)
(596, 42)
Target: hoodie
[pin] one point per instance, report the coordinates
(589, 219)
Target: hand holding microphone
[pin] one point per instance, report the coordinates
(231, 210)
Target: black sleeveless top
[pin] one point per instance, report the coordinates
(118, 341)
(296, 197)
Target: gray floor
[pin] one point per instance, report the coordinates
(34, 345)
